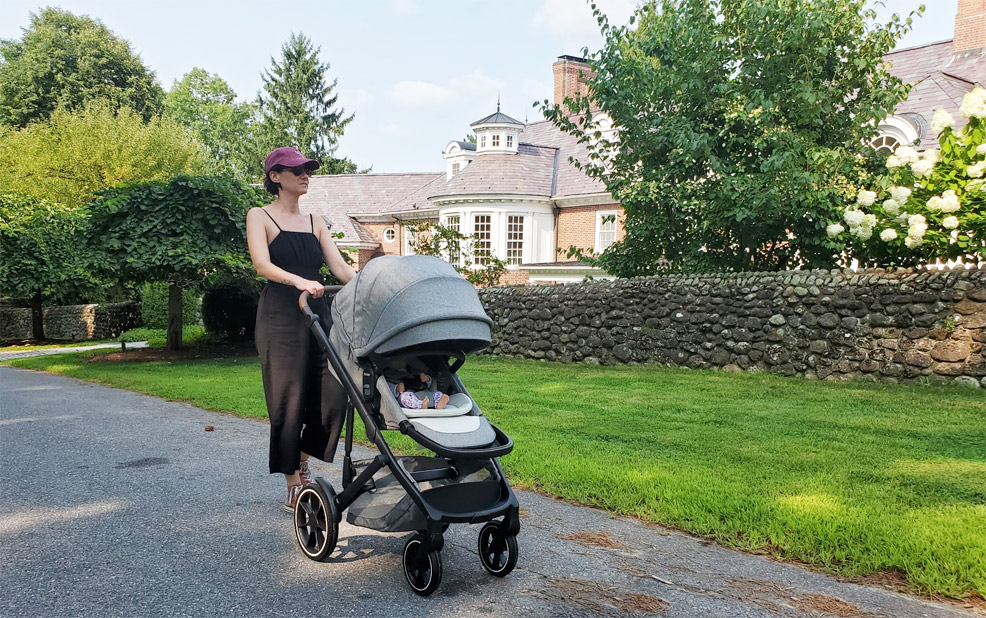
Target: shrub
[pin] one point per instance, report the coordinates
(229, 311)
(155, 337)
(154, 306)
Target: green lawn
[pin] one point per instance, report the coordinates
(851, 477)
(27, 347)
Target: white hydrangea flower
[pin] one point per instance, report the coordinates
(922, 168)
(891, 207)
(935, 203)
(910, 242)
(981, 149)
(900, 194)
(977, 170)
(907, 155)
(835, 229)
(950, 201)
(950, 223)
(974, 104)
(853, 217)
(932, 155)
(866, 198)
(869, 221)
(916, 220)
(917, 231)
(888, 234)
(862, 232)
(941, 121)
(902, 217)
(893, 161)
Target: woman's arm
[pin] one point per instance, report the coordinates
(256, 224)
(333, 257)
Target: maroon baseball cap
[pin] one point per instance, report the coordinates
(288, 157)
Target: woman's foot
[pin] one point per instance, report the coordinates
(305, 473)
(292, 499)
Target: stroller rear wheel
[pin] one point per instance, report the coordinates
(315, 526)
(422, 570)
(497, 549)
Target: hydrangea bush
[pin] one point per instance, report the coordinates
(929, 205)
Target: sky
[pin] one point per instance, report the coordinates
(416, 73)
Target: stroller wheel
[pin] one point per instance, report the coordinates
(497, 550)
(315, 526)
(423, 571)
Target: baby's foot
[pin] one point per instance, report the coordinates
(424, 403)
(442, 402)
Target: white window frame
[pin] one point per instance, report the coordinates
(408, 249)
(600, 216)
(489, 241)
(482, 141)
(510, 141)
(389, 235)
(455, 169)
(454, 222)
(507, 241)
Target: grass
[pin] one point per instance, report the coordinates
(27, 347)
(854, 478)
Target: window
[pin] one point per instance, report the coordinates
(510, 141)
(481, 229)
(482, 141)
(389, 234)
(515, 239)
(605, 230)
(455, 255)
(455, 169)
(410, 237)
(885, 144)
(496, 140)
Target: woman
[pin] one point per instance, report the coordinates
(305, 402)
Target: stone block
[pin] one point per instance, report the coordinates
(950, 351)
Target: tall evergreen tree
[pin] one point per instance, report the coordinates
(297, 106)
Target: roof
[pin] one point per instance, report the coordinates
(570, 179)
(497, 118)
(529, 172)
(938, 80)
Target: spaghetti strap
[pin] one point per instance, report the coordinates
(272, 219)
(312, 219)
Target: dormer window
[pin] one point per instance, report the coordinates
(455, 169)
(510, 141)
(496, 140)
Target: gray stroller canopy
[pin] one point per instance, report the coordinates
(397, 302)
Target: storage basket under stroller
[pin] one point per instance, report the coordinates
(398, 318)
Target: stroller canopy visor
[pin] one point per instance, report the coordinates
(397, 302)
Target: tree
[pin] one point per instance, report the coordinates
(72, 155)
(65, 60)
(207, 105)
(482, 269)
(39, 255)
(182, 232)
(740, 128)
(297, 107)
(926, 207)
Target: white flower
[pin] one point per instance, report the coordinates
(911, 242)
(976, 171)
(891, 207)
(866, 198)
(853, 217)
(935, 203)
(907, 155)
(917, 231)
(893, 161)
(950, 201)
(981, 149)
(888, 234)
(900, 194)
(922, 168)
(941, 121)
(835, 229)
(932, 155)
(950, 222)
(868, 221)
(974, 104)
(902, 217)
(916, 220)
(863, 232)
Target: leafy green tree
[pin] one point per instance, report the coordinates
(72, 155)
(39, 253)
(65, 60)
(298, 108)
(207, 105)
(457, 249)
(181, 232)
(741, 127)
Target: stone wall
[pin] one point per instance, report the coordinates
(71, 322)
(892, 326)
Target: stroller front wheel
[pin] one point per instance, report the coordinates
(497, 549)
(422, 570)
(315, 525)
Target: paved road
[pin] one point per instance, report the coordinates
(118, 504)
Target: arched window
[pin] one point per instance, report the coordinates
(885, 143)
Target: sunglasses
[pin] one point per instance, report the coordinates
(296, 171)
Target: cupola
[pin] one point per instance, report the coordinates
(497, 133)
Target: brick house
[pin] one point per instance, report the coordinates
(516, 190)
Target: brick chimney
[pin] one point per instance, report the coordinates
(970, 28)
(568, 81)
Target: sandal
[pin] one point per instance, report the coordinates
(292, 499)
(305, 473)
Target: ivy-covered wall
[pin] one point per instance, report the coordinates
(892, 326)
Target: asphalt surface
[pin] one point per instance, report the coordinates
(119, 504)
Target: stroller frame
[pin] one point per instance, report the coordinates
(422, 562)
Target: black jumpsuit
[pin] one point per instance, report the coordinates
(305, 403)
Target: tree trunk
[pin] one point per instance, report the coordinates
(37, 318)
(174, 317)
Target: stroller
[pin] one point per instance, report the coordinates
(398, 318)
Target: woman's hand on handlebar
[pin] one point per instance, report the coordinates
(314, 288)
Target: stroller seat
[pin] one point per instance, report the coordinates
(458, 404)
(459, 424)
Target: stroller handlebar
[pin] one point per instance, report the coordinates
(303, 299)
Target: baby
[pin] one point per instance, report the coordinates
(419, 399)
